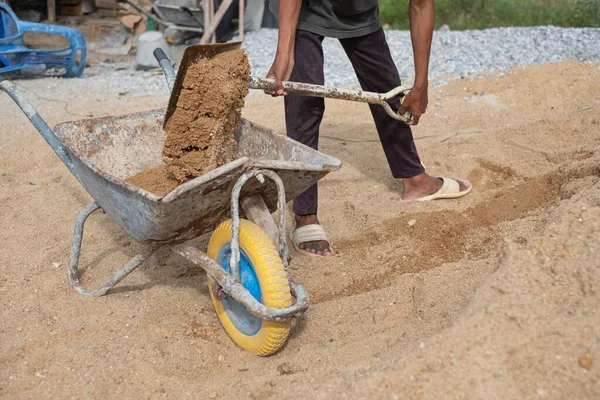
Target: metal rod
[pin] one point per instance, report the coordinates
(235, 217)
(116, 277)
(306, 89)
(240, 294)
(213, 38)
(167, 67)
(328, 91)
(185, 28)
(206, 14)
(39, 123)
(159, 13)
(169, 73)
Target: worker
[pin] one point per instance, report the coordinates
(303, 24)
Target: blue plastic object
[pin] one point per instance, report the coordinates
(15, 56)
(245, 322)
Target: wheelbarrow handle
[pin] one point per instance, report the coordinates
(39, 123)
(306, 89)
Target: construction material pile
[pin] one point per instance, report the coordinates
(200, 131)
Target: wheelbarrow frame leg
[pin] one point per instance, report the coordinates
(232, 286)
(229, 283)
(117, 276)
(283, 250)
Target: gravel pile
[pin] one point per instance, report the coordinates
(454, 55)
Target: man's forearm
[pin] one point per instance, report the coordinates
(422, 18)
(289, 11)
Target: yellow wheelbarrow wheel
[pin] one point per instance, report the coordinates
(262, 273)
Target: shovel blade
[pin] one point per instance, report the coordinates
(190, 56)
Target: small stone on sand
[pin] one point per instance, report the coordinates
(586, 362)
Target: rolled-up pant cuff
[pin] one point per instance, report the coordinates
(307, 202)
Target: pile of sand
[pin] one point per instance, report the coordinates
(532, 328)
(199, 132)
(494, 295)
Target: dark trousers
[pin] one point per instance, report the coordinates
(370, 56)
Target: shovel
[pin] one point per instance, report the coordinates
(193, 53)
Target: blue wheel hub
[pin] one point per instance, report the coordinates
(245, 322)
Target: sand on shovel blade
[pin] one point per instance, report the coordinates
(199, 136)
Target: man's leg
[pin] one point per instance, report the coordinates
(370, 56)
(303, 117)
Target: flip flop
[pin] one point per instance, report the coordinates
(450, 190)
(309, 233)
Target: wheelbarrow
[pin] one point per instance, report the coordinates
(247, 259)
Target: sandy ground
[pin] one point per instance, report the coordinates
(491, 296)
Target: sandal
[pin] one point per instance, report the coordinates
(309, 233)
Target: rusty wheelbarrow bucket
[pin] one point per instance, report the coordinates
(102, 152)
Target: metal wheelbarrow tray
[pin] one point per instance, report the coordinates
(101, 153)
(105, 151)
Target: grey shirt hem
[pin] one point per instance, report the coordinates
(304, 26)
(339, 34)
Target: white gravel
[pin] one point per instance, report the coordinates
(454, 55)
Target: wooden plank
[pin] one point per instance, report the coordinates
(206, 14)
(51, 11)
(256, 211)
(212, 27)
(212, 15)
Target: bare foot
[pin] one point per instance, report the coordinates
(424, 185)
(319, 247)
